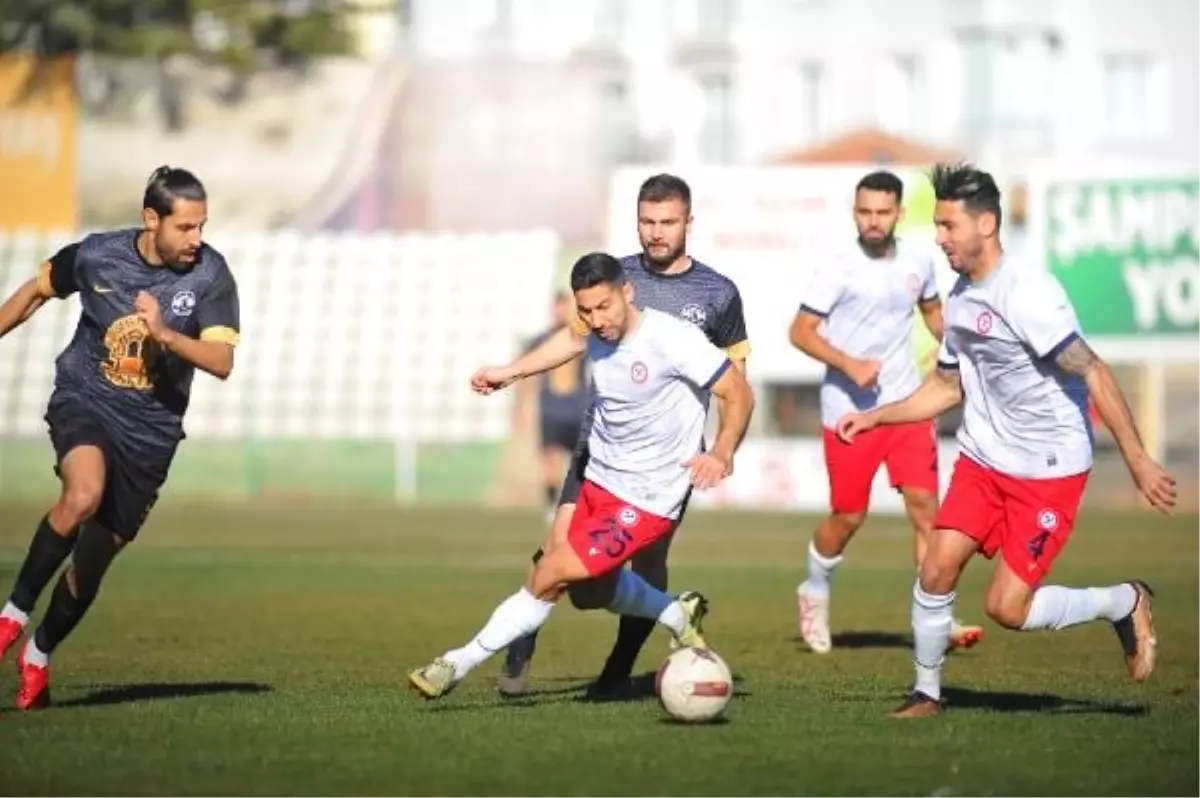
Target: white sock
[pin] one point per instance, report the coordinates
(820, 569)
(1055, 607)
(517, 616)
(35, 656)
(931, 618)
(14, 613)
(637, 597)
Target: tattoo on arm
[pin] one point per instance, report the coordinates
(1077, 358)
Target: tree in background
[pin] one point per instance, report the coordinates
(244, 36)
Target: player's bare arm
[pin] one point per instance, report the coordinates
(734, 410)
(806, 336)
(562, 347)
(740, 365)
(931, 314)
(730, 335)
(55, 279)
(940, 391)
(1152, 479)
(214, 357)
(22, 304)
(1080, 359)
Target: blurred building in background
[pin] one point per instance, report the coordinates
(741, 81)
(540, 99)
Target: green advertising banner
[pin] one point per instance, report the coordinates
(1126, 252)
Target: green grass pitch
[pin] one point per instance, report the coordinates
(255, 650)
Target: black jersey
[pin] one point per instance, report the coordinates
(139, 387)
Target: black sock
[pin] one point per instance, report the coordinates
(47, 551)
(94, 553)
(632, 634)
(63, 615)
(551, 495)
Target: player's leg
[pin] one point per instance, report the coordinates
(525, 611)
(1040, 518)
(514, 675)
(556, 444)
(933, 615)
(74, 593)
(970, 520)
(632, 630)
(920, 506)
(851, 468)
(131, 490)
(597, 546)
(605, 534)
(554, 459)
(79, 445)
(912, 464)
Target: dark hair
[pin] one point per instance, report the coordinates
(966, 183)
(167, 184)
(883, 181)
(594, 269)
(660, 188)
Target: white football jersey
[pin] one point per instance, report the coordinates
(1023, 415)
(651, 397)
(868, 304)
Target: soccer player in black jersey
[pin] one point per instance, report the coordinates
(156, 304)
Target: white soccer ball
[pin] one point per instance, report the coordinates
(694, 685)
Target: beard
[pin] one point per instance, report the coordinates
(661, 262)
(176, 259)
(879, 247)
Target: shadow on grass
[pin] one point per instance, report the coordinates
(638, 688)
(862, 639)
(871, 639)
(962, 698)
(717, 721)
(642, 688)
(104, 695)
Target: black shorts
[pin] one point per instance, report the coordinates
(133, 475)
(560, 432)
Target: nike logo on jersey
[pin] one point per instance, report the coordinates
(99, 289)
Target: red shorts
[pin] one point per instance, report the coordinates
(1030, 520)
(908, 450)
(606, 531)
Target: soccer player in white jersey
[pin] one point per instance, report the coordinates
(866, 299)
(1014, 349)
(652, 374)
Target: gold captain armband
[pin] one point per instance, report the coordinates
(224, 335)
(739, 351)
